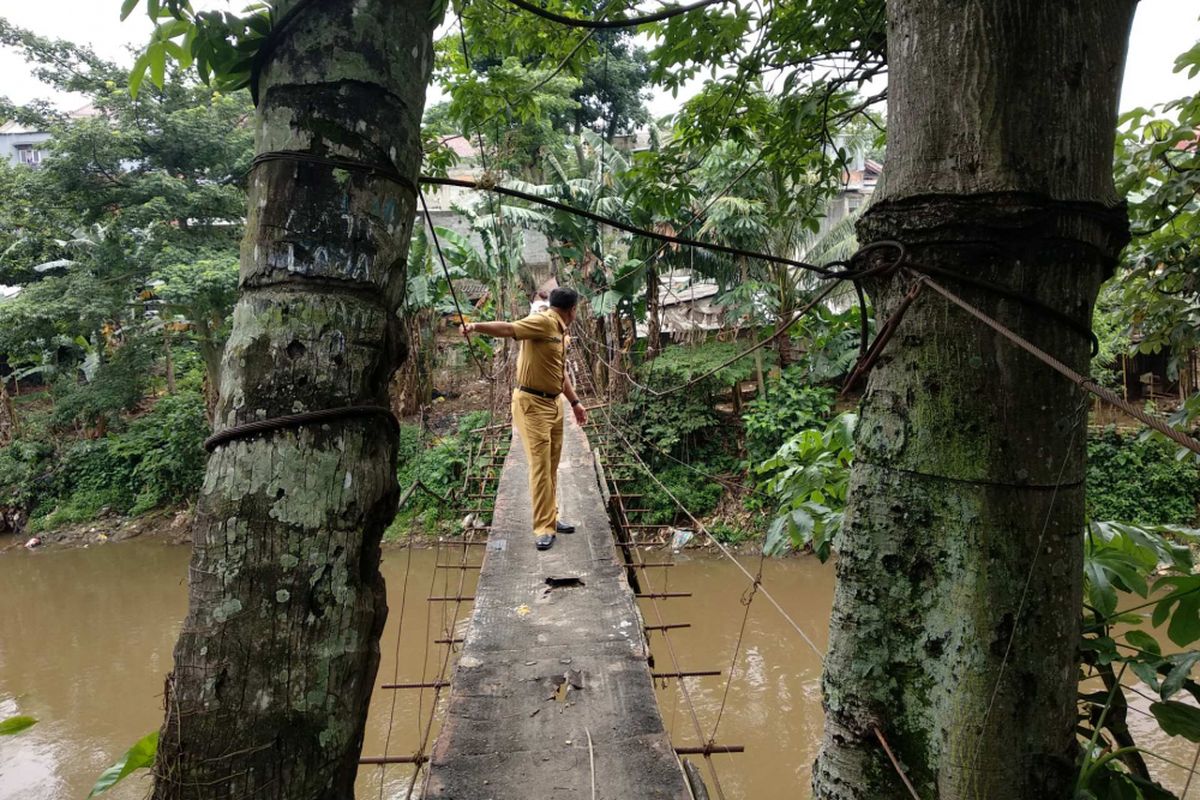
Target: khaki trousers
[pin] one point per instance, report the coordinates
(539, 420)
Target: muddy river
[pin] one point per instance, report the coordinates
(86, 637)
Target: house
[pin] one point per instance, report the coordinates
(688, 310)
(1148, 376)
(858, 184)
(25, 144)
(535, 255)
(469, 168)
(22, 144)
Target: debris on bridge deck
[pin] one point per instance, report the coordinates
(554, 654)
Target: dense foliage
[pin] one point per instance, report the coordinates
(1137, 479)
(431, 470)
(792, 404)
(154, 460)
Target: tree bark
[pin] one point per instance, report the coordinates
(210, 354)
(170, 361)
(278, 654)
(412, 385)
(653, 314)
(8, 420)
(956, 614)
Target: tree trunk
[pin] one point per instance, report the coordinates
(8, 420)
(412, 385)
(170, 361)
(277, 657)
(760, 376)
(653, 320)
(210, 354)
(600, 372)
(956, 614)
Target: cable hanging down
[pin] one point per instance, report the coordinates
(627, 22)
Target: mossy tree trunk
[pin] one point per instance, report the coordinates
(653, 314)
(8, 420)
(955, 627)
(278, 654)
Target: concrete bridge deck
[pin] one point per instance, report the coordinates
(552, 697)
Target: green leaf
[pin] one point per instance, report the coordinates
(140, 756)
(172, 29)
(1178, 719)
(1150, 790)
(138, 73)
(127, 8)
(158, 63)
(1179, 673)
(1182, 607)
(1146, 672)
(1143, 641)
(15, 725)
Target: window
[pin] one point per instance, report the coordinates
(28, 154)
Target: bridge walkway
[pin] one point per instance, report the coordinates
(552, 697)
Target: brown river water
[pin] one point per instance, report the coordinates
(86, 637)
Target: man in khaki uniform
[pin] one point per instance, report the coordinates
(536, 409)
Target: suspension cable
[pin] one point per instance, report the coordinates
(627, 22)
(632, 451)
(437, 243)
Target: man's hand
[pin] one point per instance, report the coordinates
(580, 413)
(467, 327)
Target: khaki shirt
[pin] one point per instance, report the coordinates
(543, 347)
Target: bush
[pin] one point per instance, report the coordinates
(166, 449)
(22, 463)
(439, 462)
(792, 405)
(1138, 480)
(809, 477)
(683, 423)
(696, 492)
(157, 461)
(91, 476)
(116, 387)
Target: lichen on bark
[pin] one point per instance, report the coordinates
(277, 657)
(959, 578)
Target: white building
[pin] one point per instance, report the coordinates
(22, 144)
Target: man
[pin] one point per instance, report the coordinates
(536, 410)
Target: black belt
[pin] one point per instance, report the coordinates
(546, 395)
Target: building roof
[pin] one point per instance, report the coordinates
(668, 296)
(14, 127)
(461, 146)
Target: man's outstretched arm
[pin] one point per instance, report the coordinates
(501, 330)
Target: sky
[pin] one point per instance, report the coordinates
(1162, 29)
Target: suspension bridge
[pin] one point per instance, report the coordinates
(547, 687)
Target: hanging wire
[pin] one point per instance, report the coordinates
(400, 626)
(437, 243)
(1081, 414)
(756, 583)
(681, 682)
(628, 22)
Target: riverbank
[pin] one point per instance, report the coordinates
(173, 526)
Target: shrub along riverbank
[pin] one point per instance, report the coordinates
(778, 463)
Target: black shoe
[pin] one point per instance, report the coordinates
(564, 527)
(544, 542)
